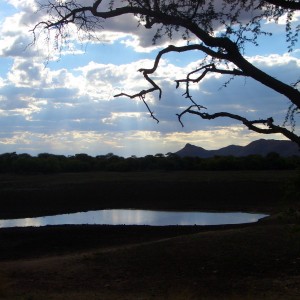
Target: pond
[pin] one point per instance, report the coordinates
(136, 217)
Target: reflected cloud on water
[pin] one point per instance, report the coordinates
(136, 217)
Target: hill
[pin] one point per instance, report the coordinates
(260, 147)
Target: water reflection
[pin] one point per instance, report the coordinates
(137, 217)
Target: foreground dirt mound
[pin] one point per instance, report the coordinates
(254, 262)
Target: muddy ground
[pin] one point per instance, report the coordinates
(249, 261)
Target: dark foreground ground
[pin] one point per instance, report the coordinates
(250, 261)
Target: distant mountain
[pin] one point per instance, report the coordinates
(260, 147)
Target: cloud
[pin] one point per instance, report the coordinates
(22, 4)
(71, 108)
(125, 144)
(15, 39)
(84, 96)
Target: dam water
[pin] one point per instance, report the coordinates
(136, 217)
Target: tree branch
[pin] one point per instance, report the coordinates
(171, 48)
(221, 48)
(206, 68)
(229, 48)
(285, 4)
(249, 124)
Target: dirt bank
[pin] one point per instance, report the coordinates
(254, 261)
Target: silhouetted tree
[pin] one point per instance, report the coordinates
(219, 28)
(6, 161)
(50, 163)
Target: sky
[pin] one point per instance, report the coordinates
(61, 101)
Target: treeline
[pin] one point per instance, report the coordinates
(51, 163)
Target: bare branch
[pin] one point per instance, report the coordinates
(151, 112)
(206, 68)
(196, 18)
(142, 96)
(248, 123)
(155, 87)
(227, 49)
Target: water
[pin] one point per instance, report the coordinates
(136, 217)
